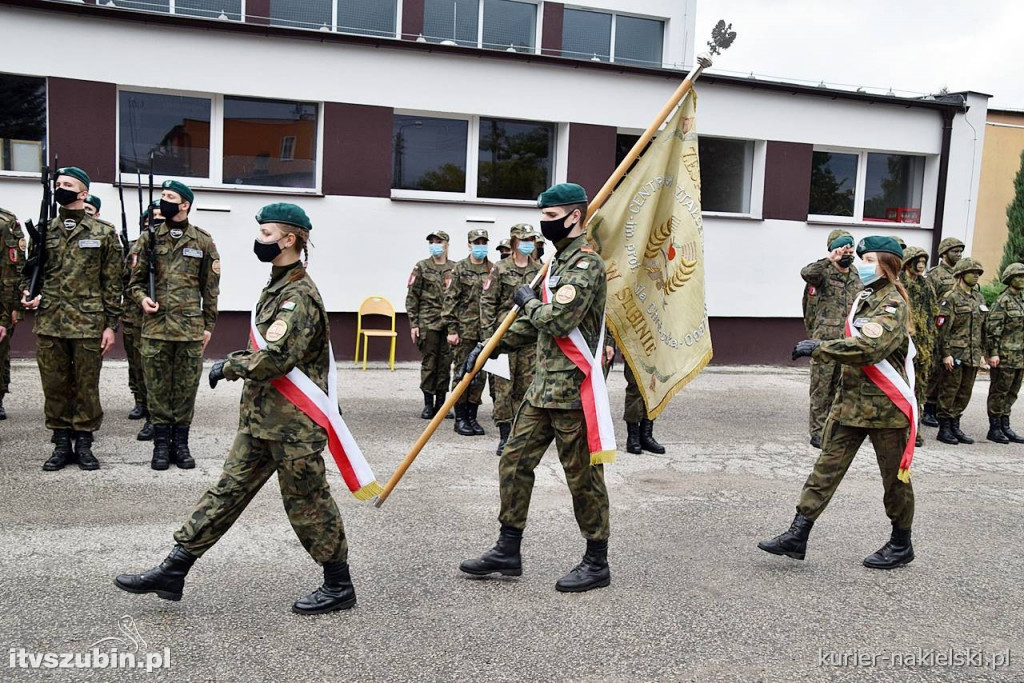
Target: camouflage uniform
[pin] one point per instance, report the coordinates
(552, 408)
(1004, 337)
(461, 315)
(187, 285)
(131, 334)
(940, 277)
(427, 285)
(960, 321)
(831, 293)
(923, 307)
(273, 434)
(496, 302)
(12, 241)
(80, 297)
(862, 410)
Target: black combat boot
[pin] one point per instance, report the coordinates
(428, 406)
(462, 425)
(816, 442)
(161, 447)
(896, 552)
(146, 433)
(336, 593)
(945, 434)
(792, 543)
(929, 419)
(138, 412)
(477, 429)
(918, 440)
(503, 558)
(954, 428)
(591, 572)
(1004, 422)
(439, 400)
(167, 579)
(995, 430)
(83, 451)
(3, 413)
(647, 440)
(633, 438)
(182, 453)
(503, 431)
(61, 452)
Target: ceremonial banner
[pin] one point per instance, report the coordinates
(651, 236)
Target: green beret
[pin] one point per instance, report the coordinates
(1011, 271)
(912, 254)
(879, 243)
(967, 265)
(94, 201)
(283, 212)
(843, 241)
(439, 234)
(834, 235)
(562, 194)
(949, 243)
(181, 188)
(76, 173)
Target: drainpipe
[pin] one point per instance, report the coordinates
(940, 195)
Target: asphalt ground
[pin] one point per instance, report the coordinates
(692, 598)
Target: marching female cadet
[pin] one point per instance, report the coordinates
(874, 359)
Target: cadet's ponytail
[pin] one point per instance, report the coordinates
(301, 240)
(890, 266)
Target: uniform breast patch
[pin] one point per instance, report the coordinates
(447, 281)
(872, 330)
(565, 294)
(553, 281)
(984, 308)
(176, 234)
(70, 224)
(192, 253)
(861, 322)
(277, 330)
(890, 309)
(89, 244)
(487, 284)
(288, 306)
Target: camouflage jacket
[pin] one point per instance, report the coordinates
(81, 293)
(961, 325)
(12, 241)
(187, 283)
(132, 313)
(427, 286)
(923, 309)
(830, 294)
(504, 280)
(941, 278)
(881, 317)
(577, 281)
(461, 313)
(292, 319)
(1004, 329)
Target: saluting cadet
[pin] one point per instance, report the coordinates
(553, 408)
(274, 434)
(961, 343)
(876, 351)
(831, 289)
(178, 323)
(428, 282)
(1004, 339)
(12, 241)
(508, 276)
(923, 308)
(77, 312)
(951, 250)
(461, 316)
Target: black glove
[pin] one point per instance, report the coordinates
(217, 373)
(470, 362)
(524, 295)
(805, 348)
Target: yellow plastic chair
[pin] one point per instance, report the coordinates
(375, 305)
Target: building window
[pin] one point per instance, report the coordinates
(451, 21)
(833, 184)
(207, 9)
(288, 148)
(313, 14)
(607, 36)
(509, 25)
(430, 153)
(254, 129)
(174, 129)
(516, 158)
(867, 186)
(22, 123)
(364, 17)
(495, 24)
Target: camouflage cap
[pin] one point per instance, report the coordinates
(562, 194)
(476, 234)
(967, 265)
(528, 233)
(283, 212)
(879, 243)
(900, 241)
(949, 243)
(504, 244)
(76, 173)
(95, 201)
(183, 190)
(912, 254)
(439, 234)
(1011, 271)
(517, 229)
(834, 235)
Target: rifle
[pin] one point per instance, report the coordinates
(152, 234)
(125, 244)
(35, 264)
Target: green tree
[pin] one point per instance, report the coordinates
(1013, 250)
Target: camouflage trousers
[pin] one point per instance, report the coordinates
(131, 335)
(172, 372)
(307, 498)
(70, 373)
(634, 409)
(475, 393)
(1003, 387)
(508, 394)
(955, 388)
(840, 444)
(532, 433)
(934, 378)
(436, 367)
(5, 362)
(825, 376)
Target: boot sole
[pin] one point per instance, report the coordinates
(1002, 441)
(504, 572)
(53, 469)
(951, 443)
(604, 583)
(163, 595)
(143, 438)
(888, 566)
(660, 451)
(88, 468)
(348, 604)
(783, 553)
(190, 466)
(160, 468)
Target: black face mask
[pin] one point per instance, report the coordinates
(169, 209)
(540, 251)
(846, 261)
(266, 251)
(64, 196)
(555, 231)
(505, 255)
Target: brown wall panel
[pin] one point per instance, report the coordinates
(83, 126)
(787, 180)
(257, 11)
(412, 19)
(551, 33)
(591, 155)
(357, 150)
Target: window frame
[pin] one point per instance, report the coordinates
(45, 142)
(479, 40)
(860, 187)
(615, 14)
(172, 7)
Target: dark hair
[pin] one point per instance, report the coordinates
(582, 206)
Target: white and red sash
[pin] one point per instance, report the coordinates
(593, 391)
(900, 391)
(322, 408)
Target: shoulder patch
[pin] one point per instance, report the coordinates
(587, 249)
(812, 290)
(135, 259)
(412, 279)
(216, 266)
(277, 330)
(22, 244)
(565, 294)
(872, 330)
(583, 264)
(890, 309)
(288, 306)
(940, 321)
